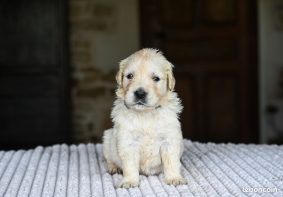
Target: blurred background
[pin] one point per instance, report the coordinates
(58, 60)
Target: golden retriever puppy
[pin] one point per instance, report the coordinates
(146, 136)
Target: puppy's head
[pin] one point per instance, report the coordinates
(144, 79)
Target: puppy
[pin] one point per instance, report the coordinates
(146, 136)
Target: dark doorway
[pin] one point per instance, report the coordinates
(34, 72)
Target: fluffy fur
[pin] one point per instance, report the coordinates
(146, 137)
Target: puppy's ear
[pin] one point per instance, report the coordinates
(119, 78)
(170, 76)
(120, 74)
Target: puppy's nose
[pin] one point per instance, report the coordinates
(140, 94)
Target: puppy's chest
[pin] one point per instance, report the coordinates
(148, 131)
(149, 145)
(150, 134)
(146, 123)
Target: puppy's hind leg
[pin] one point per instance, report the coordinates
(107, 143)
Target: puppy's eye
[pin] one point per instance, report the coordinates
(130, 76)
(155, 78)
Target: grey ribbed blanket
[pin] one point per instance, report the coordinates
(211, 170)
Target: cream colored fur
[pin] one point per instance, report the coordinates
(147, 138)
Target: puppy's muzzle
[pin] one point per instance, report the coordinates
(140, 96)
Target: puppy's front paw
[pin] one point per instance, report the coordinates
(175, 181)
(126, 183)
(114, 170)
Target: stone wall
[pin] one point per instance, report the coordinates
(102, 33)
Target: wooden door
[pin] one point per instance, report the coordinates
(34, 93)
(212, 44)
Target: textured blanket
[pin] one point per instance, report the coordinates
(211, 170)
